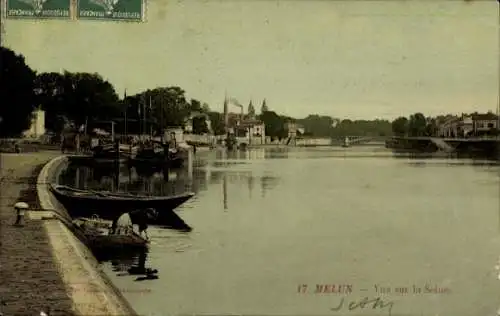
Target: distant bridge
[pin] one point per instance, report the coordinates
(449, 139)
(357, 140)
(440, 142)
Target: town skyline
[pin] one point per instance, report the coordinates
(356, 60)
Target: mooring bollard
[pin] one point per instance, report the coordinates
(20, 208)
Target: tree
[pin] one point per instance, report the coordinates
(400, 126)
(217, 122)
(195, 106)
(274, 124)
(80, 97)
(50, 94)
(317, 125)
(251, 110)
(169, 106)
(17, 93)
(132, 110)
(205, 108)
(92, 98)
(367, 128)
(200, 125)
(417, 125)
(264, 107)
(431, 128)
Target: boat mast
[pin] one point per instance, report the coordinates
(162, 132)
(139, 114)
(145, 131)
(150, 117)
(226, 118)
(125, 105)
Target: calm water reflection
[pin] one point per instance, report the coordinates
(267, 221)
(120, 178)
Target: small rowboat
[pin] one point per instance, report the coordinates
(98, 235)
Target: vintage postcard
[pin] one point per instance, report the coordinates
(249, 157)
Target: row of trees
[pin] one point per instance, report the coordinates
(75, 97)
(321, 125)
(420, 125)
(88, 99)
(416, 125)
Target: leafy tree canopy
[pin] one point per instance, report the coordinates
(417, 125)
(200, 125)
(217, 122)
(17, 94)
(317, 125)
(78, 97)
(274, 124)
(400, 126)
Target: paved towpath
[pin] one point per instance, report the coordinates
(29, 279)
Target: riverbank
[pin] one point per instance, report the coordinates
(487, 148)
(30, 281)
(44, 266)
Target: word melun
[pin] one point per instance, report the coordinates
(325, 289)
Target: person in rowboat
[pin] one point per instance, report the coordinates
(125, 223)
(141, 219)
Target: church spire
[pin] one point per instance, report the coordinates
(264, 107)
(251, 110)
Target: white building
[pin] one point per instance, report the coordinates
(37, 128)
(468, 125)
(484, 123)
(252, 130)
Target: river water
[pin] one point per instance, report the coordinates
(283, 231)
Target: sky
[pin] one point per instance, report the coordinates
(346, 59)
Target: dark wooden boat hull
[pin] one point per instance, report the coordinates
(95, 233)
(100, 154)
(90, 161)
(110, 208)
(116, 242)
(162, 158)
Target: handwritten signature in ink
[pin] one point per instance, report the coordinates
(374, 303)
